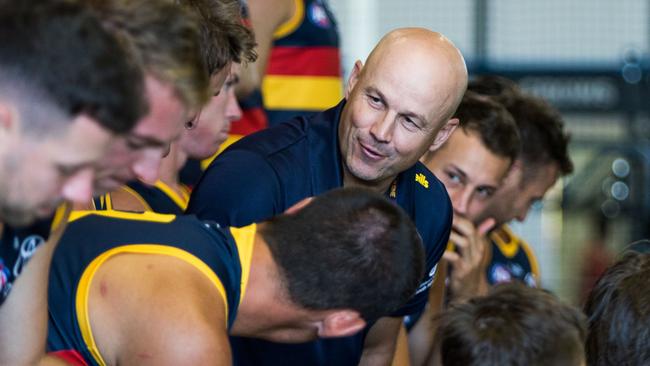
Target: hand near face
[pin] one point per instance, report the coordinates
(467, 276)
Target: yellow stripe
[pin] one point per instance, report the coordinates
(301, 92)
(508, 248)
(293, 23)
(108, 202)
(60, 216)
(229, 141)
(534, 266)
(83, 291)
(245, 238)
(450, 246)
(137, 216)
(180, 201)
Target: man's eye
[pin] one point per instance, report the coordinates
(454, 178)
(485, 192)
(135, 145)
(375, 101)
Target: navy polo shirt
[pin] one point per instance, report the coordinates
(265, 173)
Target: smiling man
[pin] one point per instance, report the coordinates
(395, 109)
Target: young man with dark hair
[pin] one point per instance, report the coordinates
(471, 165)
(514, 325)
(543, 157)
(67, 90)
(149, 289)
(618, 311)
(395, 109)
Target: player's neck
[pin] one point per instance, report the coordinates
(169, 170)
(261, 295)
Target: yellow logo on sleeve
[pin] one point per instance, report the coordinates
(420, 178)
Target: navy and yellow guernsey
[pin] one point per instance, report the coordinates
(93, 237)
(18, 245)
(159, 198)
(265, 173)
(303, 74)
(512, 259)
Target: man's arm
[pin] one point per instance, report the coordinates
(379, 347)
(422, 333)
(23, 316)
(402, 356)
(265, 18)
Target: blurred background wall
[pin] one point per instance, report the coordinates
(587, 57)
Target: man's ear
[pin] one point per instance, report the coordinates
(7, 121)
(354, 77)
(443, 134)
(6, 117)
(298, 206)
(341, 323)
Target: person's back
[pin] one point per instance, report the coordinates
(514, 325)
(307, 273)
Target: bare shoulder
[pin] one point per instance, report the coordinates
(154, 309)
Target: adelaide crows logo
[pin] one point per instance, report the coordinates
(318, 15)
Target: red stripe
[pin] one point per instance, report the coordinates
(70, 356)
(252, 120)
(305, 61)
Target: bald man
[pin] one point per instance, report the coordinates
(397, 106)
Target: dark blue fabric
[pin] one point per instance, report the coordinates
(87, 238)
(158, 200)
(263, 174)
(503, 268)
(17, 246)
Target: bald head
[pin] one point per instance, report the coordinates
(400, 104)
(425, 58)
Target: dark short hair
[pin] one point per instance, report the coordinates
(58, 52)
(349, 248)
(541, 127)
(513, 325)
(492, 122)
(224, 37)
(497, 87)
(618, 311)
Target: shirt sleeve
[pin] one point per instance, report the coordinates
(433, 218)
(239, 188)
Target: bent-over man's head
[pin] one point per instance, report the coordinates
(66, 88)
(330, 257)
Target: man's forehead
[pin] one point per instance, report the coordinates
(407, 92)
